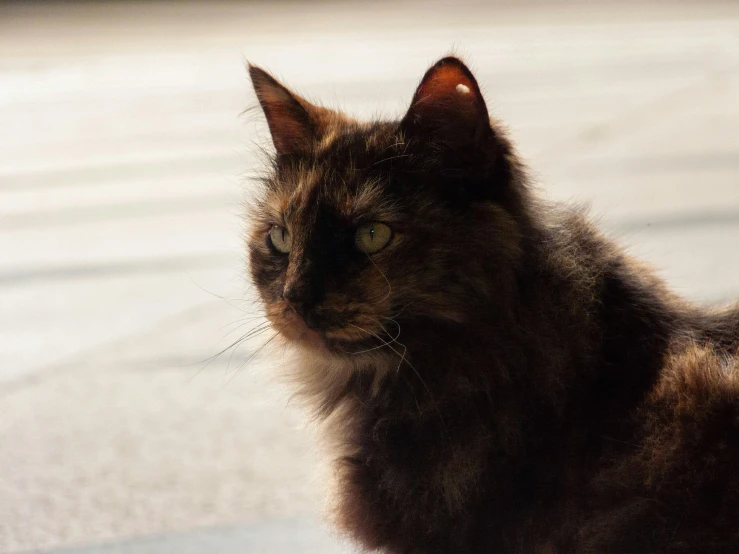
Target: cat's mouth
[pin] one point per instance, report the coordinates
(326, 342)
(296, 331)
(345, 340)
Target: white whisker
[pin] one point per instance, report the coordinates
(389, 287)
(384, 343)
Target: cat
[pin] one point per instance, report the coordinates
(498, 376)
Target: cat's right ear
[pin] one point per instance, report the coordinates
(448, 108)
(293, 127)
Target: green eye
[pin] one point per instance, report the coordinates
(373, 237)
(280, 239)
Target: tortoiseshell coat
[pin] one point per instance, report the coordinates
(501, 377)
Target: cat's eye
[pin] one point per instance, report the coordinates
(280, 239)
(373, 237)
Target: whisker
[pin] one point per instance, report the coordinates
(242, 321)
(394, 145)
(250, 358)
(235, 329)
(226, 300)
(393, 339)
(260, 328)
(391, 320)
(253, 333)
(390, 158)
(389, 287)
(385, 343)
(402, 309)
(402, 359)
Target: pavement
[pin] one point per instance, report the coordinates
(125, 158)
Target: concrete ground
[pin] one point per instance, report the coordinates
(124, 159)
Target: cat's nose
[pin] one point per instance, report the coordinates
(297, 303)
(292, 295)
(308, 315)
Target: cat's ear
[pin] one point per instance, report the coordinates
(448, 106)
(290, 118)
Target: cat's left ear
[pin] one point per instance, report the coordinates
(448, 106)
(292, 120)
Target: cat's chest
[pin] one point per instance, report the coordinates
(422, 470)
(420, 461)
(417, 500)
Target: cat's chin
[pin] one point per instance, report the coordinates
(334, 344)
(319, 344)
(303, 336)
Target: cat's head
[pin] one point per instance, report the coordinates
(366, 227)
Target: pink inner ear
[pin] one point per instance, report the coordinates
(289, 134)
(290, 123)
(444, 85)
(448, 100)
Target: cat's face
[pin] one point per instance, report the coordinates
(365, 226)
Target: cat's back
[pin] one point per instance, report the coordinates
(694, 411)
(679, 487)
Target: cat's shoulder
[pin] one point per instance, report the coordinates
(699, 379)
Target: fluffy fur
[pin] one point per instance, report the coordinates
(500, 377)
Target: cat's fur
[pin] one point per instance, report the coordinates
(501, 377)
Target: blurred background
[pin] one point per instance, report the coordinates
(125, 155)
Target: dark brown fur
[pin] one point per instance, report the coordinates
(501, 377)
